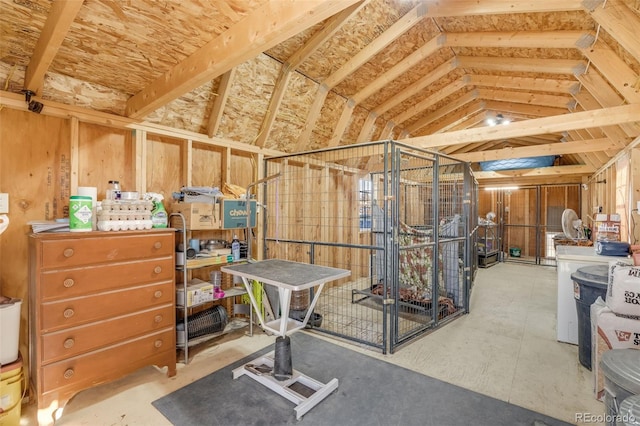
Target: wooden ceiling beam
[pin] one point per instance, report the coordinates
(605, 96)
(497, 7)
(418, 86)
(523, 83)
(265, 27)
(578, 169)
(614, 69)
(553, 66)
(59, 20)
(536, 126)
(467, 115)
(401, 26)
(515, 39)
(448, 109)
(224, 88)
(332, 26)
(554, 101)
(535, 39)
(423, 52)
(426, 103)
(531, 110)
(613, 132)
(527, 180)
(473, 118)
(328, 30)
(619, 21)
(558, 148)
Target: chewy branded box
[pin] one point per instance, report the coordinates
(198, 292)
(198, 216)
(234, 213)
(609, 331)
(607, 227)
(623, 292)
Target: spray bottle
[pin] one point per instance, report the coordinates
(159, 216)
(235, 248)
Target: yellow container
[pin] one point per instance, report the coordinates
(11, 393)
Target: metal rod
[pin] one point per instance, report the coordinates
(248, 198)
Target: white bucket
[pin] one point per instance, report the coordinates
(9, 330)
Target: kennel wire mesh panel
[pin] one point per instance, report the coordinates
(387, 212)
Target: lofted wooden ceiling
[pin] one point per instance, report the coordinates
(295, 75)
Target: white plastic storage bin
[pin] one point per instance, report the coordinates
(9, 329)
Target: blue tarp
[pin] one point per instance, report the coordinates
(518, 163)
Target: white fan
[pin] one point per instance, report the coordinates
(572, 225)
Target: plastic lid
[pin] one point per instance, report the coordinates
(622, 366)
(594, 275)
(629, 411)
(4, 368)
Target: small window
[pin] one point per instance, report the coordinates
(365, 193)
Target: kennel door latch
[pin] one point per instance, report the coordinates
(388, 301)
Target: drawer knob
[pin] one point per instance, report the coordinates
(157, 269)
(68, 252)
(157, 343)
(68, 313)
(68, 283)
(157, 245)
(158, 318)
(68, 373)
(157, 294)
(68, 344)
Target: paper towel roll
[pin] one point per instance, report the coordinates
(89, 191)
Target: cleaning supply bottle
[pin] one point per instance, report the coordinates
(235, 248)
(159, 216)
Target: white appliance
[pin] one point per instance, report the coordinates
(568, 260)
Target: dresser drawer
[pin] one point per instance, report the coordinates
(77, 340)
(71, 252)
(95, 367)
(61, 284)
(82, 310)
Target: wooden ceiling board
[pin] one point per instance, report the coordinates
(20, 26)
(624, 54)
(354, 36)
(395, 52)
(143, 39)
(519, 64)
(423, 94)
(292, 113)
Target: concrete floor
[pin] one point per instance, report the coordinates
(505, 348)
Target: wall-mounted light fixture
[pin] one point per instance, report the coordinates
(32, 105)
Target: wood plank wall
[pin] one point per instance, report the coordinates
(43, 159)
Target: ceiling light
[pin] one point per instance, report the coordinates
(499, 119)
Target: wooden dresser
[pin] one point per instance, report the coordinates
(101, 305)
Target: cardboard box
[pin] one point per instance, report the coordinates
(198, 292)
(198, 216)
(601, 217)
(234, 213)
(606, 227)
(609, 331)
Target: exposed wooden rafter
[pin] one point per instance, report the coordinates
(265, 27)
(536, 126)
(59, 20)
